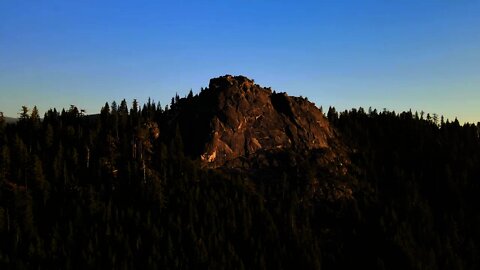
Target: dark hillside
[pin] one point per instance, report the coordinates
(238, 177)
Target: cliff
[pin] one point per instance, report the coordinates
(234, 120)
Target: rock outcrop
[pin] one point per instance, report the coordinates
(234, 118)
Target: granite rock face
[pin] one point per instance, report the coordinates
(236, 119)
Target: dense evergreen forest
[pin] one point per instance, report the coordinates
(117, 191)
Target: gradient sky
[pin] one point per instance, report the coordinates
(423, 55)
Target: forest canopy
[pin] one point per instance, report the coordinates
(117, 190)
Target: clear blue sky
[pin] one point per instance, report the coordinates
(423, 55)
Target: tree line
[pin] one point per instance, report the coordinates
(118, 190)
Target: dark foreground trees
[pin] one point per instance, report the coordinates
(116, 191)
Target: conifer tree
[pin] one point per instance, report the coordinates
(2, 123)
(24, 116)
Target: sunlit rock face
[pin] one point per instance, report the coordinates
(234, 118)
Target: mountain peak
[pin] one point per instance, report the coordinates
(235, 120)
(226, 81)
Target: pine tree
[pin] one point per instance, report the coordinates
(105, 109)
(2, 121)
(123, 109)
(114, 107)
(134, 109)
(332, 114)
(2, 127)
(24, 114)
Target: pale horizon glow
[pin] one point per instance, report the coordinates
(398, 55)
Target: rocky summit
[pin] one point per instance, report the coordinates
(234, 119)
(238, 177)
